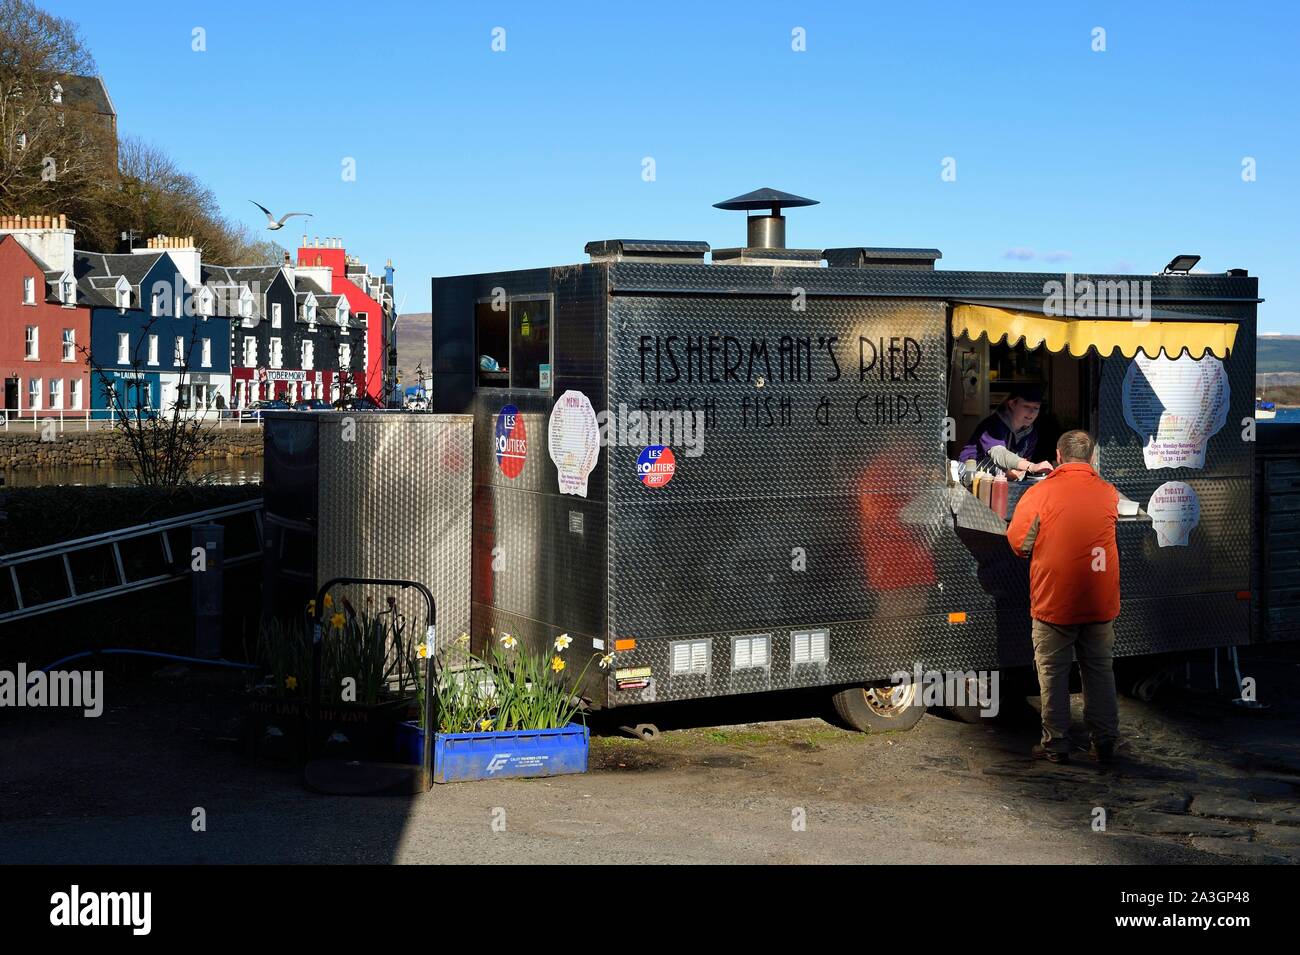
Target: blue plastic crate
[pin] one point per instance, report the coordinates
(462, 757)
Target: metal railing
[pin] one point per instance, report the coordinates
(89, 419)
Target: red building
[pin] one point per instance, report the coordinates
(44, 319)
(363, 308)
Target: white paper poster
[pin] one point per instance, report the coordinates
(1175, 510)
(1176, 405)
(574, 440)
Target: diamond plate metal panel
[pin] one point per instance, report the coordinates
(859, 504)
(1166, 290)
(851, 492)
(390, 497)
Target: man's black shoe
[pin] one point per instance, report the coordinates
(1052, 756)
(1102, 752)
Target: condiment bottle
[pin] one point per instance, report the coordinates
(998, 496)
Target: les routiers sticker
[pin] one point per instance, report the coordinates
(656, 465)
(573, 439)
(511, 441)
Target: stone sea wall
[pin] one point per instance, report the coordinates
(22, 448)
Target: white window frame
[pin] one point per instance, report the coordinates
(308, 355)
(75, 393)
(123, 348)
(178, 356)
(153, 350)
(56, 393)
(32, 343)
(206, 359)
(250, 351)
(29, 290)
(276, 358)
(34, 394)
(69, 344)
(123, 296)
(345, 356)
(276, 316)
(69, 291)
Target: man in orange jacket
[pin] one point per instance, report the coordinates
(1066, 525)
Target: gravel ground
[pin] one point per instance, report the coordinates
(1200, 781)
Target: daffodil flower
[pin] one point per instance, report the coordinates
(329, 601)
(337, 621)
(562, 642)
(291, 682)
(311, 607)
(606, 660)
(485, 725)
(463, 640)
(422, 651)
(557, 664)
(509, 642)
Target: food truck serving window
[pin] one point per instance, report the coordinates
(513, 343)
(530, 344)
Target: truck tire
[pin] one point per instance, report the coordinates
(879, 709)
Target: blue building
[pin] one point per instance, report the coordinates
(162, 342)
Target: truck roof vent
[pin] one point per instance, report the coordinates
(765, 238)
(860, 257)
(673, 251)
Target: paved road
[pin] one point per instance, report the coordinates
(1201, 782)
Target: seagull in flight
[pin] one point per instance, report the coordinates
(272, 223)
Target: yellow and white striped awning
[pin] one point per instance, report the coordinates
(1212, 335)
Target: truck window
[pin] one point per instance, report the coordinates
(530, 344)
(492, 346)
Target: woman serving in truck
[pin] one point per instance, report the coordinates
(1004, 442)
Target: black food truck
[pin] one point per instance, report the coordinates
(739, 475)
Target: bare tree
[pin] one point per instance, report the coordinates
(54, 155)
(162, 444)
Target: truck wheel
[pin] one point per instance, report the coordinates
(879, 709)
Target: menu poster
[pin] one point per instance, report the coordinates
(1176, 405)
(1174, 509)
(574, 439)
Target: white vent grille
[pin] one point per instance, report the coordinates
(750, 651)
(810, 646)
(690, 656)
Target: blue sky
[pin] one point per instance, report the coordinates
(470, 160)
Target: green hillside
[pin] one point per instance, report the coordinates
(1275, 354)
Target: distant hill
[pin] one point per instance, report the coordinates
(414, 345)
(1277, 353)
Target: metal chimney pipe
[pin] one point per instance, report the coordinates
(766, 232)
